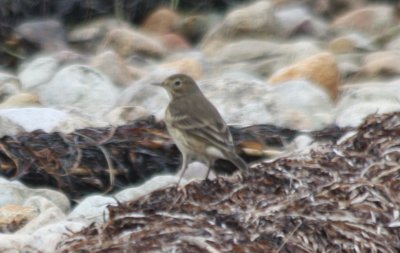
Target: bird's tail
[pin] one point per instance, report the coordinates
(239, 163)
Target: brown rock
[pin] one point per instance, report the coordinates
(350, 43)
(381, 63)
(161, 21)
(256, 20)
(320, 69)
(13, 217)
(21, 100)
(127, 42)
(188, 66)
(252, 19)
(48, 34)
(371, 19)
(114, 67)
(193, 27)
(174, 42)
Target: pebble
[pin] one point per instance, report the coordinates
(127, 42)
(320, 69)
(372, 19)
(161, 21)
(81, 87)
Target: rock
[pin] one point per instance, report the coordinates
(193, 27)
(35, 73)
(82, 87)
(161, 21)
(149, 186)
(11, 243)
(92, 209)
(361, 100)
(189, 66)
(112, 65)
(393, 44)
(298, 20)
(253, 50)
(234, 96)
(254, 19)
(142, 93)
(126, 114)
(47, 34)
(13, 217)
(354, 115)
(14, 120)
(381, 63)
(11, 193)
(55, 197)
(9, 85)
(299, 105)
(174, 42)
(21, 100)
(47, 238)
(88, 35)
(350, 43)
(246, 50)
(372, 19)
(128, 42)
(16, 193)
(369, 92)
(320, 69)
(49, 213)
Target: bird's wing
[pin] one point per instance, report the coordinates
(196, 116)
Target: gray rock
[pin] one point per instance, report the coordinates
(81, 87)
(37, 72)
(92, 209)
(13, 192)
(46, 238)
(9, 85)
(14, 120)
(360, 100)
(149, 186)
(299, 104)
(48, 34)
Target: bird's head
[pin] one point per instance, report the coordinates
(179, 85)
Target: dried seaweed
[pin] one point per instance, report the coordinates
(340, 197)
(106, 159)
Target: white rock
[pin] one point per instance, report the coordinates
(81, 87)
(30, 119)
(55, 197)
(239, 99)
(13, 192)
(49, 216)
(151, 185)
(37, 72)
(125, 114)
(11, 243)
(9, 85)
(368, 92)
(299, 104)
(143, 94)
(92, 209)
(45, 239)
(355, 114)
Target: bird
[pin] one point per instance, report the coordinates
(196, 126)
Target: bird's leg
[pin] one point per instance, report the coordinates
(184, 166)
(209, 164)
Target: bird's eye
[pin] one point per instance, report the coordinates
(177, 83)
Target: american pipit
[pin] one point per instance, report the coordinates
(196, 126)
